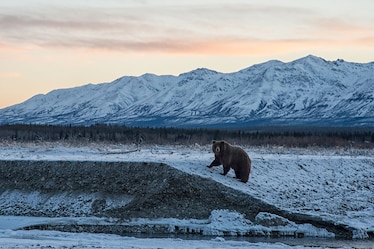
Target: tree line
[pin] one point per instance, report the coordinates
(255, 136)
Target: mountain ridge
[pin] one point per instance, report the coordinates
(309, 91)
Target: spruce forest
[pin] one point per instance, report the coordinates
(253, 136)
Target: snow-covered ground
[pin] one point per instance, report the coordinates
(337, 184)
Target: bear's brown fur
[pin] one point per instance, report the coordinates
(231, 157)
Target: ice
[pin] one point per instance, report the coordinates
(220, 223)
(53, 240)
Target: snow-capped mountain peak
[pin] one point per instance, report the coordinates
(307, 91)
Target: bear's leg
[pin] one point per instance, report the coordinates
(226, 169)
(216, 162)
(237, 174)
(244, 175)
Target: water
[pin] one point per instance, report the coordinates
(321, 242)
(308, 241)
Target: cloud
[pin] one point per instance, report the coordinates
(235, 29)
(342, 28)
(366, 41)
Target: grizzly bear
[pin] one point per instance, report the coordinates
(231, 157)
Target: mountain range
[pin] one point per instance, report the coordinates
(309, 91)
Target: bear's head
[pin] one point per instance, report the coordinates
(218, 147)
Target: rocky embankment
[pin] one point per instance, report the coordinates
(123, 191)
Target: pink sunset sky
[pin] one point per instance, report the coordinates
(50, 44)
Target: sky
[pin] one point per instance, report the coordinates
(51, 44)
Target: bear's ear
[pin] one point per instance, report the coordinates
(222, 143)
(214, 141)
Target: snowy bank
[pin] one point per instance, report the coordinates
(128, 190)
(325, 188)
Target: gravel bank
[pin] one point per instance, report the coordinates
(126, 190)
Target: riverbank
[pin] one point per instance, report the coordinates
(328, 189)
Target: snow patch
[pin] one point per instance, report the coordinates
(65, 203)
(360, 234)
(227, 223)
